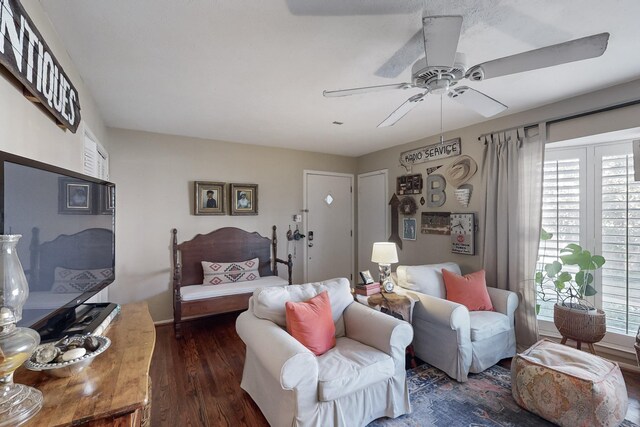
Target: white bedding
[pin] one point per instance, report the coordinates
(198, 292)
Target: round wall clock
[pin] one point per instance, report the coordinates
(408, 206)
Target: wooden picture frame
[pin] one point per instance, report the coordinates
(366, 277)
(75, 197)
(209, 198)
(409, 184)
(435, 223)
(243, 199)
(409, 229)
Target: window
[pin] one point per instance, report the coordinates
(95, 157)
(590, 198)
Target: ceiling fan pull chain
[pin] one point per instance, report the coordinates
(441, 112)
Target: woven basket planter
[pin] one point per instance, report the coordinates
(580, 325)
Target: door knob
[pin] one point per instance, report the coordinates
(310, 245)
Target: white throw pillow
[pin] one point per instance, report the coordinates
(217, 273)
(426, 279)
(269, 303)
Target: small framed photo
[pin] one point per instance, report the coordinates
(366, 277)
(244, 199)
(75, 196)
(107, 199)
(409, 229)
(209, 198)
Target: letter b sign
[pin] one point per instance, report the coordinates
(435, 191)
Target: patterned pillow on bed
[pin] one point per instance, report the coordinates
(217, 273)
(66, 280)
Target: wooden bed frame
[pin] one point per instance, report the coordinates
(226, 244)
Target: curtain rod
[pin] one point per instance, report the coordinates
(569, 117)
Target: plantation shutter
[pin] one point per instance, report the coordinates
(561, 206)
(620, 240)
(95, 158)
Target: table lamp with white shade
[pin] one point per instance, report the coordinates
(385, 254)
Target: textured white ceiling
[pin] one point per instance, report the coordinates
(254, 71)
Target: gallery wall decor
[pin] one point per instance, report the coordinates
(75, 197)
(409, 184)
(409, 229)
(394, 203)
(433, 169)
(209, 198)
(460, 171)
(26, 55)
(408, 206)
(463, 232)
(243, 199)
(436, 196)
(435, 223)
(437, 151)
(463, 194)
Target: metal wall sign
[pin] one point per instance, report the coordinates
(27, 56)
(436, 151)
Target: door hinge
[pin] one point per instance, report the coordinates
(351, 233)
(351, 275)
(351, 188)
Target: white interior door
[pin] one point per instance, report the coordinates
(329, 226)
(373, 211)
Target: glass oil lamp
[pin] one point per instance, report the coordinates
(18, 402)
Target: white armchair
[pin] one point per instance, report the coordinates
(362, 378)
(446, 334)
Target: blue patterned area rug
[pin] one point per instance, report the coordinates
(485, 400)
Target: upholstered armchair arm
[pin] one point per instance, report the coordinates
(504, 301)
(377, 330)
(439, 311)
(281, 355)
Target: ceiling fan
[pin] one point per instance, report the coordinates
(443, 68)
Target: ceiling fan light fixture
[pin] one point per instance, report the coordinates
(439, 87)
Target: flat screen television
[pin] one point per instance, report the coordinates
(67, 249)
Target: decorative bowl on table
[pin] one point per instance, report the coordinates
(68, 356)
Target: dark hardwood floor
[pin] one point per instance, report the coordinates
(196, 381)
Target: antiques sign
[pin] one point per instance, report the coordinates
(431, 152)
(28, 57)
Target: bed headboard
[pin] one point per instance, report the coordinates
(226, 244)
(73, 251)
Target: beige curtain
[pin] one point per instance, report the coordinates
(512, 173)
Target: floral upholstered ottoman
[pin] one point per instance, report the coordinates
(568, 387)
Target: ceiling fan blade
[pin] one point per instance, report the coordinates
(574, 50)
(359, 90)
(402, 110)
(403, 58)
(477, 101)
(441, 35)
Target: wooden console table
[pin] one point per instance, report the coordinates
(113, 390)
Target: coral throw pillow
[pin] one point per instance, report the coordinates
(469, 290)
(311, 323)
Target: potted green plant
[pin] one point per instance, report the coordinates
(572, 279)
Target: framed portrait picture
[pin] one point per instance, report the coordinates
(75, 197)
(366, 277)
(107, 199)
(409, 228)
(209, 198)
(244, 199)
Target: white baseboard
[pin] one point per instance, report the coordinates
(163, 322)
